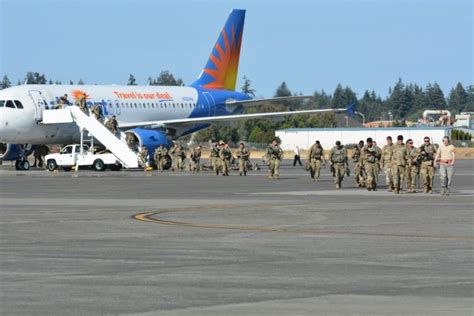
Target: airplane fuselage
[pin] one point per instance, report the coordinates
(128, 103)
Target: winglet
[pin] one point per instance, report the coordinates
(351, 109)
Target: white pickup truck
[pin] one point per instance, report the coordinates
(71, 155)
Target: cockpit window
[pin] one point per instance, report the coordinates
(10, 104)
(2, 103)
(18, 104)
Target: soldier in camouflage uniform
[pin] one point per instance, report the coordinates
(97, 111)
(63, 102)
(83, 104)
(316, 158)
(179, 156)
(427, 156)
(214, 155)
(338, 158)
(196, 159)
(274, 156)
(130, 139)
(398, 164)
(225, 155)
(386, 161)
(112, 125)
(243, 155)
(159, 157)
(358, 167)
(371, 156)
(144, 157)
(412, 166)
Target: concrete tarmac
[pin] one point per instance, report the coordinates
(137, 243)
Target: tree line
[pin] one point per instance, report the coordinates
(405, 101)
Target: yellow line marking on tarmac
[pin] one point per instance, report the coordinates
(150, 217)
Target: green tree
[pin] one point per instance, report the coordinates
(458, 98)
(80, 82)
(131, 80)
(165, 78)
(5, 83)
(283, 91)
(246, 87)
(71, 82)
(435, 97)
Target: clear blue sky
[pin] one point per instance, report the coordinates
(312, 45)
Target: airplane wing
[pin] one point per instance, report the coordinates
(223, 118)
(258, 102)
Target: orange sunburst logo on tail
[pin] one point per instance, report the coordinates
(78, 94)
(220, 71)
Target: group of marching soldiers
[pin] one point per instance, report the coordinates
(399, 162)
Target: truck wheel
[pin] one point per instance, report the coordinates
(25, 165)
(51, 165)
(98, 165)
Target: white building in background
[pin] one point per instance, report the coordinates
(305, 137)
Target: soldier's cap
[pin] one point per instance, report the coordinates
(113, 116)
(400, 137)
(389, 137)
(361, 142)
(409, 141)
(317, 142)
(427, 138)
(221, 142)
(338, 143)
(369, 140)
(242, 144)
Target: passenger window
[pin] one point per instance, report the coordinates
(2, 104)
(10, 104)
(19, 105)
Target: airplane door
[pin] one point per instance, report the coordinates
(39, 102)
(210, 103)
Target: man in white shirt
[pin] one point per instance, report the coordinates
(297, 157)
(446, 157)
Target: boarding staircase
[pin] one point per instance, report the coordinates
(117, 147)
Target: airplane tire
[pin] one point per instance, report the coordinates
(98, 165)
(17, 165)
(25, 165)
(51, 165)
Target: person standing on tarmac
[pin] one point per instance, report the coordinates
(196, 159)
(398, 164)
(446, 157)
(226, 155)
(338, 158)
(214, 155)
(412, 166)
(386, 160)
(159, 157)
(179, 156)
(427, 156)
(358, 167)
(274, 156)
(297, 156)
(316, 158)
(371, 158)
(243, 155)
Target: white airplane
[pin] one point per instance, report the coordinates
(153, 114)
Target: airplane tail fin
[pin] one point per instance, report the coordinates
(220, 71)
